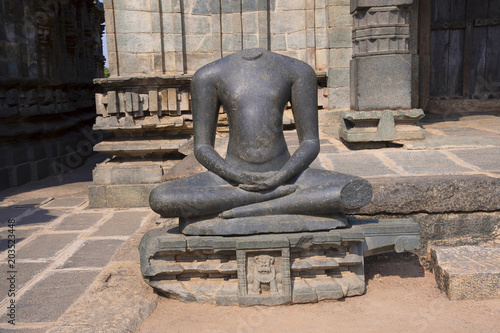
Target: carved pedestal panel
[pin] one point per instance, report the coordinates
(269, 269)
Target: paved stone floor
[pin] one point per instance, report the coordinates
(62, 245)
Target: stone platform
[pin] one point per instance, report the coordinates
(467, 272)
(270, 269)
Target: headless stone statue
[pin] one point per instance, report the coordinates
(258, 182)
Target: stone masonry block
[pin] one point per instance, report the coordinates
(339, 2)
(290, 5)
(249, 20)
(340, 37)
(288, 21)
(340, 58)
(338, 77)
(381, 82)
(198, 25)
(467, 272)
(133, 64)
(338, 98)
(137, 43)
(136, 5)
(132, 21)
(172, 23)
(296, 40)
(339, 16)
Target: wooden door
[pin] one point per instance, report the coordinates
(465, 49)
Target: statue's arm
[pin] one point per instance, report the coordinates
(205, 107)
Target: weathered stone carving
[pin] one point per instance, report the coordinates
(46, 90)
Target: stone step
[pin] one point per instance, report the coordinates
(467, 272)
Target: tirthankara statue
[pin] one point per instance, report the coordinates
(258, 177)
(280, 219)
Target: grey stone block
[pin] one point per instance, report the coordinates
(467, 272)
(338, 77)
(93, 253)
(24, 273)
(434, 194)
(381, 82)
(65, 203)
(425, 162)
(132, 22)
(80, 221)
(41, 217)
(486, 159)
(65, 287)
(122, 223)
(97, 196)
(202, 7)
(340, 37)
(287, 21)
(46, 246)
(455, 229)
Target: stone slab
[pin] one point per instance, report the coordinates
(425, 162)
(7, 213)
(486, 159)
(359, 164)
(66, 203)
(93, 253)
(433, 194)
(21, 235)
(119, 284)
(46, 246)
(261, 225)
(50, 298)
(79, 221)
(24, 273)
(122, 223)
(41, 217)
(467, 272)
(31, 203)
(120, 196)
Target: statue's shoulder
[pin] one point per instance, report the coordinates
(210, 72)
(297, 68)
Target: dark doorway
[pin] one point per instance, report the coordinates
(464, 54)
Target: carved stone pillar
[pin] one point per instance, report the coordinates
(384, 72)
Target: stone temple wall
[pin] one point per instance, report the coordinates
(50, 50)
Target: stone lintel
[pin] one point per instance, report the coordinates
(377, 126)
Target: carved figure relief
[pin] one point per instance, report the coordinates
(263, 273)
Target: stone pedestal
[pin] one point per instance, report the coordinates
(387, 125)
(384, 73)
(270, 269)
